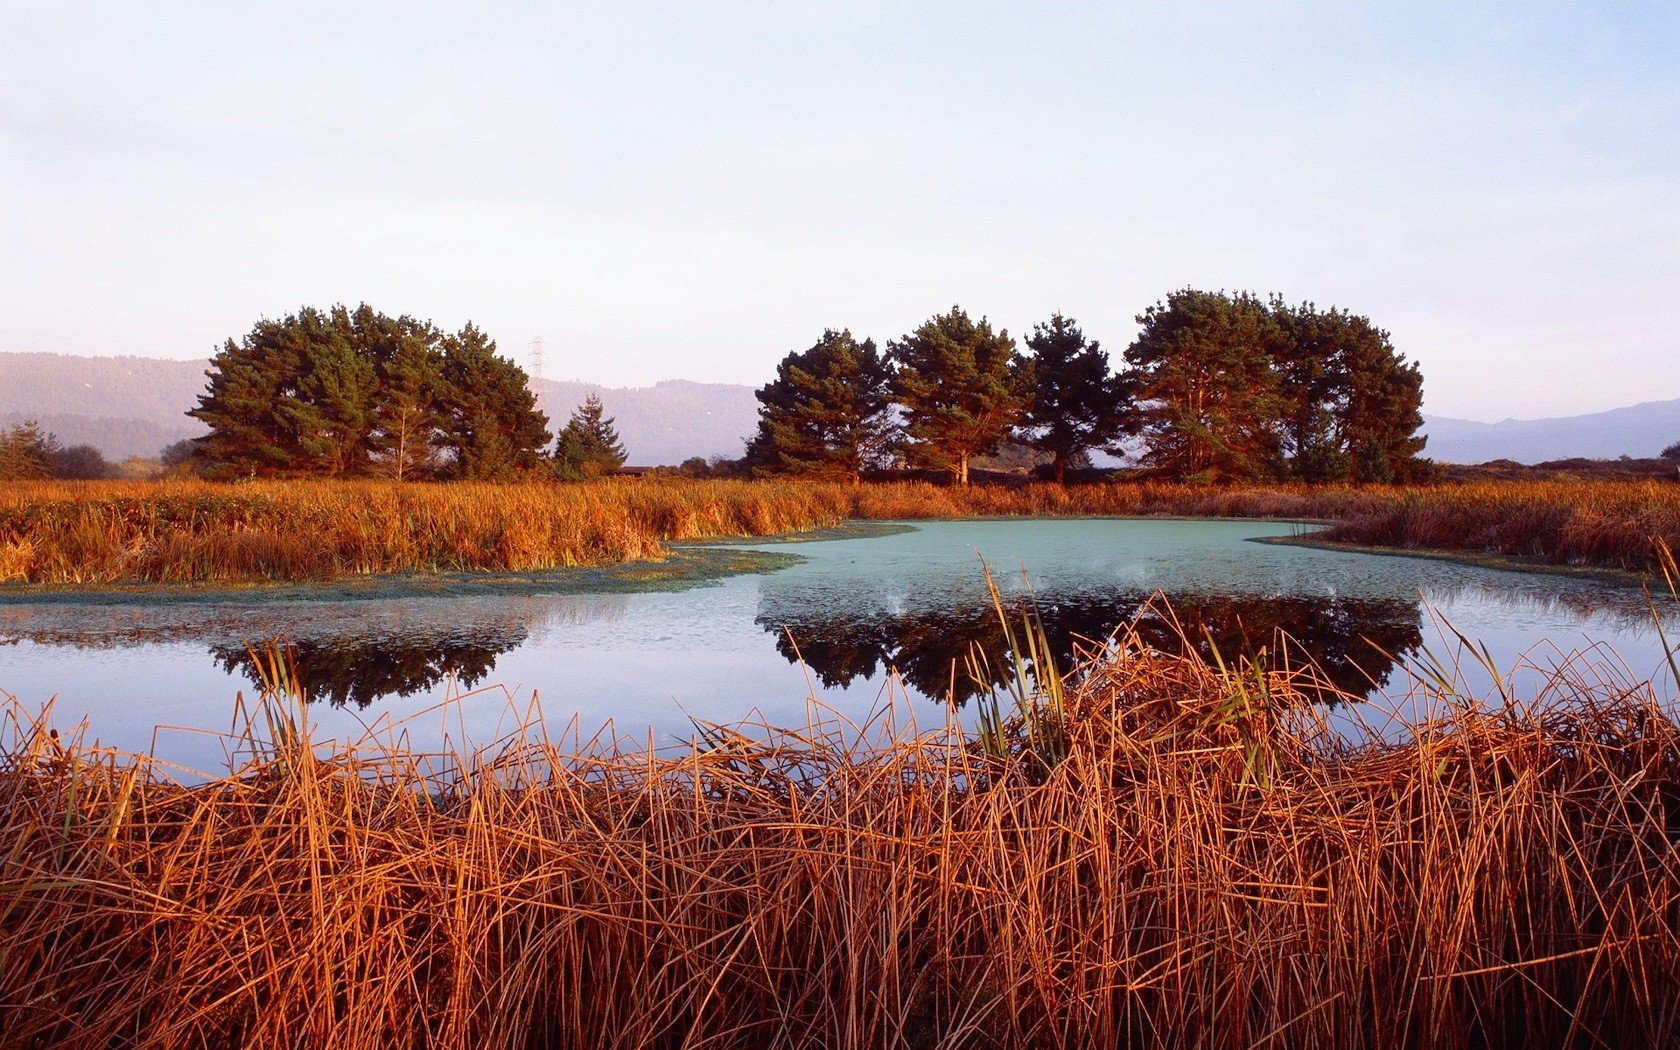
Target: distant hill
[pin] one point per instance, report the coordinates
(1640, 431)
(133, 406)
(667, 422)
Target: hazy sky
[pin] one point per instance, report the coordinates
(691, 192)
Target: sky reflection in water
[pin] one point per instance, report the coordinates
(836, 623)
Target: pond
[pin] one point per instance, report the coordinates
(885, 613)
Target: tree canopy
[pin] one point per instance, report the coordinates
(492, 427)
(339, 392)
(1211, 398)
(1078, 404)
(827, 412)
(28, 453)
(1354, 405)
(24, 452)
(963, 388)
(588, 446)
(1236, 388)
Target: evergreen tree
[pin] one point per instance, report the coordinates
(357, 392)
(26, 452)
(252, 382)
(827, 412)
(588, 446)
(409, 410)
(1354, 403)
(1672, 452)
(1211, 398)
(332, 411)
(493, 427)
(963, 388)
(1078, 404)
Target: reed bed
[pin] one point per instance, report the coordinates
(1196, 861)
(1620, 525)
(184, 532)
(180, 532)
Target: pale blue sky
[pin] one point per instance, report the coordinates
(663, 191)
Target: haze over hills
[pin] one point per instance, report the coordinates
(133, 406)
(1640, 431)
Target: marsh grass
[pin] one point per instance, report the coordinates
(1618, 525)
(1204, 863)
(94, 533)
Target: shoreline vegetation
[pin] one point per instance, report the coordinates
(1155, 850)
(81, 534)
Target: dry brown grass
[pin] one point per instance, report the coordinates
(107, 532)
(1619, 525)
(1202, 866)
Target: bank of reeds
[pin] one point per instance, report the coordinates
(1195, 862)
(1616, 525)
(176, 532)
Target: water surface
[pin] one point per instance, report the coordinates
(837, 624)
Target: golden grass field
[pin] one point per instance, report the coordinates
(183, 532)
(1178, 855)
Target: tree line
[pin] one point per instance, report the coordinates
(1216, 387)
(28, 453)
(344, 393)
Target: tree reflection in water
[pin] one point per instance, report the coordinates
(361, 670)
(1356, 643)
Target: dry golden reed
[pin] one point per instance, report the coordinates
(1619, 525)
(185, 532)
(1201, 864)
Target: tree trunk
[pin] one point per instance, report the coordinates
(1061, 468)
(962, 469)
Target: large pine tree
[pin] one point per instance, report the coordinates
(1211, 397)
(1354, 404)
(588, 446)
(409, 411)
(963, 388)
(493, 427)
(828, 411)
(254, 405)
(341, 392)
(1078, 404)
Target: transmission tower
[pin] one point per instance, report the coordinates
(537, 358)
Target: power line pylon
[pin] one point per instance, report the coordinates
(537, 357)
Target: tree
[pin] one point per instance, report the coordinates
(359, 392)
(828, 412)
(245, 405)
(1354, 404)
(331, 412)
(588, 446)
(1211, 397)
(78, 463)
(493, 427)
(963, 388)
(409, 411)
(26, 452)
(1672, 452)
(1078, 405)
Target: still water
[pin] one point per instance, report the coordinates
(856, 621)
